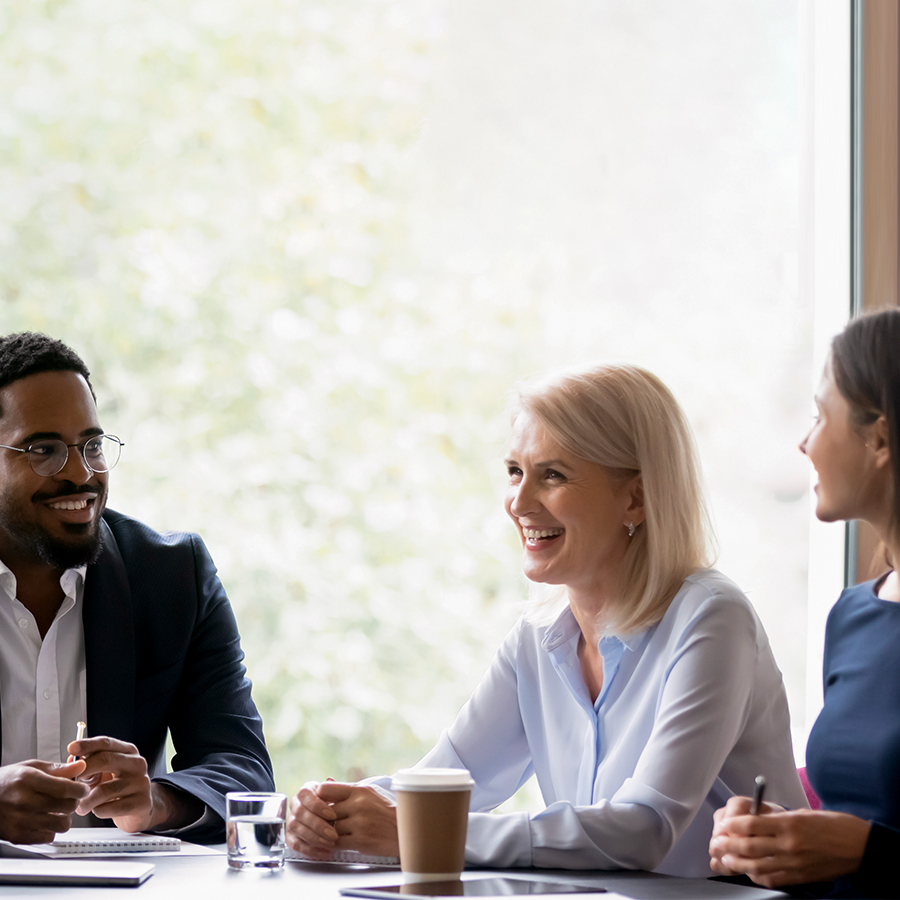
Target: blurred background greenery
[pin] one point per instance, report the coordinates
(307, 247)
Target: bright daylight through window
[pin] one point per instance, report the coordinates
(307, 247)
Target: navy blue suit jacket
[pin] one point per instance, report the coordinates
(163, 653)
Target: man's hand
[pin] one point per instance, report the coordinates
(37, 799)
(328, 816)
(780, 848)
(120, 788)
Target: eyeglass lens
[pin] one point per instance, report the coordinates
(100, 454)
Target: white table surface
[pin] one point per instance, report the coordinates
(209, 878)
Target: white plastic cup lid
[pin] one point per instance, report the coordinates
(432, 780)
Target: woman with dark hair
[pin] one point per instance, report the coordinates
(850, 847)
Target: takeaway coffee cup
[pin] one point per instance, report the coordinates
(432, 815)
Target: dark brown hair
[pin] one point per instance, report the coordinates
(865, 364)
(31, 353)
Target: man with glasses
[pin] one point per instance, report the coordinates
(104, 621)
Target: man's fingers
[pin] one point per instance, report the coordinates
(134, 792)
(71, 769)
(113, 762)
(119, 806)
(87, 746)
(106, 754)
(52, 786)
(103, 765)
(42, 828)
(37, 799)
(58, 770)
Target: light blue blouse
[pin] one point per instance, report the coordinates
(691, 711)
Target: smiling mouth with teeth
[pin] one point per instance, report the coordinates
(69, 504)
(535, 534)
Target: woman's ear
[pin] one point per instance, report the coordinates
(878, 443)
(635, 495)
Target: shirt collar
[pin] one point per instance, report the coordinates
(7, 581)
(634, 640)
(565, 627)
(71, 581)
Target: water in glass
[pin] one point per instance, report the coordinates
(256, 841)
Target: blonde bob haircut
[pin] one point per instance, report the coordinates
(626, 420)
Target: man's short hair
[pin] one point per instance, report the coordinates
(30, 353)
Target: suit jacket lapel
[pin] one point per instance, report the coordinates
(109, 643)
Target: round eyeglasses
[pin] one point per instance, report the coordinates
(49, 457)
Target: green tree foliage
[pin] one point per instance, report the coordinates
(206, 200)
(307, 246)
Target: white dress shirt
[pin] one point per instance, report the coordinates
(43, 689)
(692, 709)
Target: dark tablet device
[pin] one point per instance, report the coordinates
(476, 887)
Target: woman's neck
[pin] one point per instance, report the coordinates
(889, 589)
(588, 612)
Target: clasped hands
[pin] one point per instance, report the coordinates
(780, 847)
(103, 775)
(330, 815)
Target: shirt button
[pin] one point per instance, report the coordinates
(23, 623)
(46, 695)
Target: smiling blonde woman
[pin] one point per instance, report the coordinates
(642, 693)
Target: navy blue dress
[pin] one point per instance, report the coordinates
(853, 754)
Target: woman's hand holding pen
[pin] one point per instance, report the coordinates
(37, 799)
(779, 847)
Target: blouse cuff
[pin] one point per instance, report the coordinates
(500, 841)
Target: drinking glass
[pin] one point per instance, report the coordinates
(254, 827)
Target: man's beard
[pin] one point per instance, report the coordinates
(63, 554)
(33, 540)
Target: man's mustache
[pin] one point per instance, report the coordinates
(66, 490)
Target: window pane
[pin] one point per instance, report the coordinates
(307, 248)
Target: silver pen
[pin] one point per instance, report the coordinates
(758, 795)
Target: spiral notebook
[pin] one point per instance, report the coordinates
(92, 842)
(344, 858)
